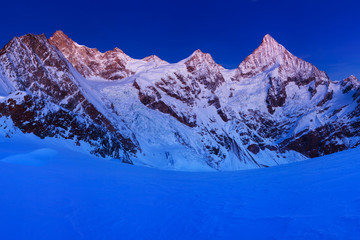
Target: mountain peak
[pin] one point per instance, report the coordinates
(60, 37)
(151, 58)
(270, 47)
(353, 78)
(350, 83)
(198, 57)
(62, 42)
(154, 59)
(269, 39)
(266, 55)
(197, 52)
(117, 50)
(271, 55)
(60, 33)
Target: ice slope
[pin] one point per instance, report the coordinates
(50, 192)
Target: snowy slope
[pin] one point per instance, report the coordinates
(275, 108)
(51, 192)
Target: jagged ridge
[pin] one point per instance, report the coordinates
(91, 63)
(274, 108)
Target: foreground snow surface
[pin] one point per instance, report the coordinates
(49, 192)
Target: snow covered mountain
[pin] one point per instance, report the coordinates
(274, 108)
(92, 64)
(43, 94)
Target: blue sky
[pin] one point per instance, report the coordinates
(325, 33)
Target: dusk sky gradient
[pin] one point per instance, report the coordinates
(325, 33)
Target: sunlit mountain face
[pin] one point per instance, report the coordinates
(274, 108)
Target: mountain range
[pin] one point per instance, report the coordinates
(274, 108)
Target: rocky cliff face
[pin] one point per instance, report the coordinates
(274, 108)
(48, 91)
